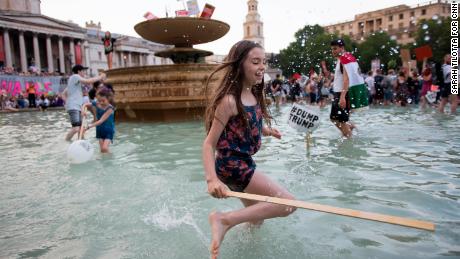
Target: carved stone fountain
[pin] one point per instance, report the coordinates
(168, 92)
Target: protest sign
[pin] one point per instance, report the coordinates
(304, 118)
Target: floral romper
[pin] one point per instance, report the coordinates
(235, 147)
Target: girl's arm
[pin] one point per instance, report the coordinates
(102, 119)
(93, 111)
(271, 132)
(87, 105)
(92, 108)
(225, 110)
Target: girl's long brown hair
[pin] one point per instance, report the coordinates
(232, 83)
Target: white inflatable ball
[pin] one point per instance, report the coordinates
(80, 151)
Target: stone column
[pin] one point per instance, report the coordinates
(141, 59)
(130, 63)
(49, 54)
(6, 42)
(86, 51)
(150, 60)
(72, 53)
(116, 58)
(22, 52)
(61, 55)
(122, 59)
(37, 53)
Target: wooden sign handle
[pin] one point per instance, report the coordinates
(335, 210)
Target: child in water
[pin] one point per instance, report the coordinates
(234, 128)
(105, 123)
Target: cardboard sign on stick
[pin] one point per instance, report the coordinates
(423, 52)
(304, 118)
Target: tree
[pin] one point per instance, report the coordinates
(378, 45)
(311, 46)
(435, 33)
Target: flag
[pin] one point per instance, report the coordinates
(78, 56)
(180, 13)
(207, 11)
(150, 16)
(2, 49)
(357, 90)
(192, 7)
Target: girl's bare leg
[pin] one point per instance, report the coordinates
(104, 144)
(262, 185)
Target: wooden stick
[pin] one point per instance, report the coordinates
(82, 123)
(335, 210)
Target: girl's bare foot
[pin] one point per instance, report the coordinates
(218, 230)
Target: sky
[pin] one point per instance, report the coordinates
(281, 18)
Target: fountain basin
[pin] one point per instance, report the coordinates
(169, 92)
(182, 31)
(161, 93)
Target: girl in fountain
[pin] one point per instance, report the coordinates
(234, 127)
(105, 124)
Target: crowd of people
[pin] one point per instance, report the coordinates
(401, 87)
(314, 90)
(31, 71)
(29, 99)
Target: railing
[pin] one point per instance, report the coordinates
(430, 3)
(411, 7)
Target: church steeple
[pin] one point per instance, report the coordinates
(253, 27)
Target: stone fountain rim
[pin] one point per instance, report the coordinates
(181, 21)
